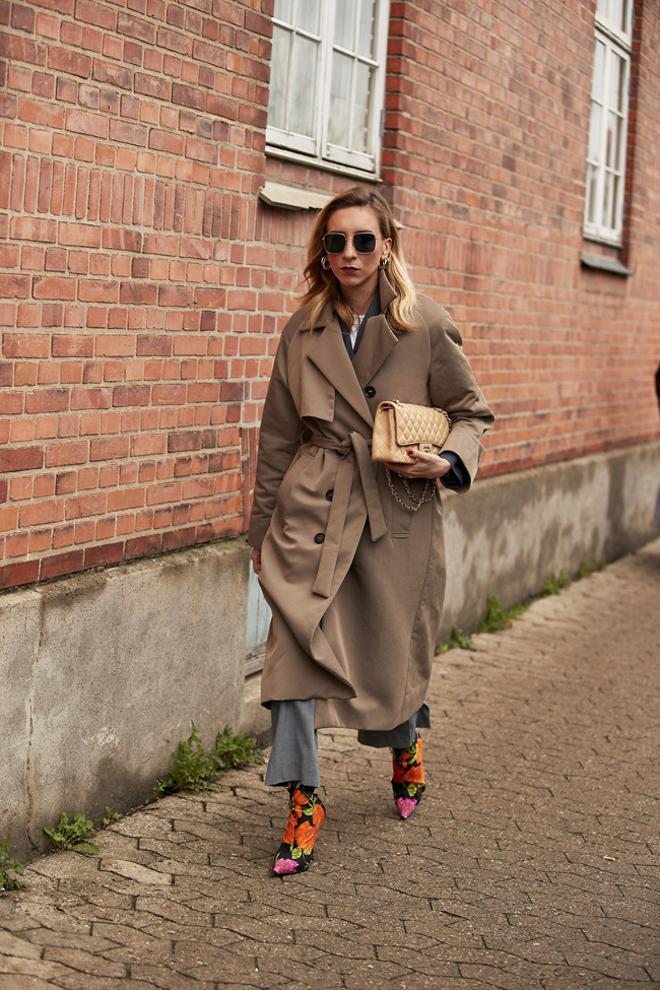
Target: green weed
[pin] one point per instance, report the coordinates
(588, 567)
(457, 641)
(194, 769)
(73, 834)
(553, 585)
(110, 816)
(497, 617)
(10, 870)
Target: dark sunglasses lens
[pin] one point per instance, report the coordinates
(334, 243)
(364, 243)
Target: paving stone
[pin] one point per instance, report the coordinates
(531, 863)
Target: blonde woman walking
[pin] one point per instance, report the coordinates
(350, 561)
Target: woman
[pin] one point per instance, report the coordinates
(354, 579)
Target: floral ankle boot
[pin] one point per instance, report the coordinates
(408, 778)
(306, 815)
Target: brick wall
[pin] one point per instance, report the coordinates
(143, 285)
(135, 295)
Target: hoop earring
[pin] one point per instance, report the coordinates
(384, 261)
(325, 264)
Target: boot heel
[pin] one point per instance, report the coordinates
(306, 815)
(408, 784)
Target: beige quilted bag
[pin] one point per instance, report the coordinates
(398, 425)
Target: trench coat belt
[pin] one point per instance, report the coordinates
(358, 446)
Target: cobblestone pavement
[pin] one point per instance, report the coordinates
(530, 862)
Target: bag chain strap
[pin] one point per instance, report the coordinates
(417, 500)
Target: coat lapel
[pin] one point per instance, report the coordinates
(328, 353)
(379, 339)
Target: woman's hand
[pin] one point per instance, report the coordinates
(425, 466)
(255, 557)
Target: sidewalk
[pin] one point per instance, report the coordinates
(530, 862)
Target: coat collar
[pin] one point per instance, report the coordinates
(328, 353)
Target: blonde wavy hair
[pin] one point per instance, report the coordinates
(322, 286)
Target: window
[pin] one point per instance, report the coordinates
(609, 113)
(327, 81)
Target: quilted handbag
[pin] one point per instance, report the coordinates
(398, 425)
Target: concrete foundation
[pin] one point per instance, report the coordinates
(101, 674)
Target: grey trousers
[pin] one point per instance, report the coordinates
(295, 755)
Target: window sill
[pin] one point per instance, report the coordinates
(599, 263)
(292, 197)
(292, 156)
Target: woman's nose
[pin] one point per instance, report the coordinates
(349, 249)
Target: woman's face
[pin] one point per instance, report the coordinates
(354, 270)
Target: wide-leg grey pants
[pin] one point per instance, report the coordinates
(295, 755)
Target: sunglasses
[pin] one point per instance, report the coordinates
(364, 242)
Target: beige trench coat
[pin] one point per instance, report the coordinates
(354, 581)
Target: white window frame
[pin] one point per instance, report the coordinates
(617, 43)
(317, 150)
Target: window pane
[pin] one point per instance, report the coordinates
(613, 127)
(599, 65)
(365, 27)
(607, 198)
(626, 8)
(302, 89)
(616, 181)
(615, 80)
(307, 15)
(361, 109)
(340, 100)
(592, 182)
(283, 10)
(345, 23)
(615, 12)
(278, 76)
(620, 100)
(595, 132)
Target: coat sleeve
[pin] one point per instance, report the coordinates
(279, 438)
(453, 388)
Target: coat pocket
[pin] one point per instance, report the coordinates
(293, 472)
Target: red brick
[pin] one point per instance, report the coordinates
(106, 553)
(91, 398)
(47, 400)
(21, 458)
(41, 113)
(134, 27)
(163, 395)
(53, 287)
(28, 345)
(72, 345)
(63, 563)
(79, 235)
(15, 575)
(66, 453)
(108, 449)
(143, 546)
(41, 512)
(138, 294)
(32, 229)
(154, 344)
(130, 395)
(15, 286)
(79, 506)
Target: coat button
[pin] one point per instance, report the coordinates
(319, 538)
(370, 391)
(330, 492)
